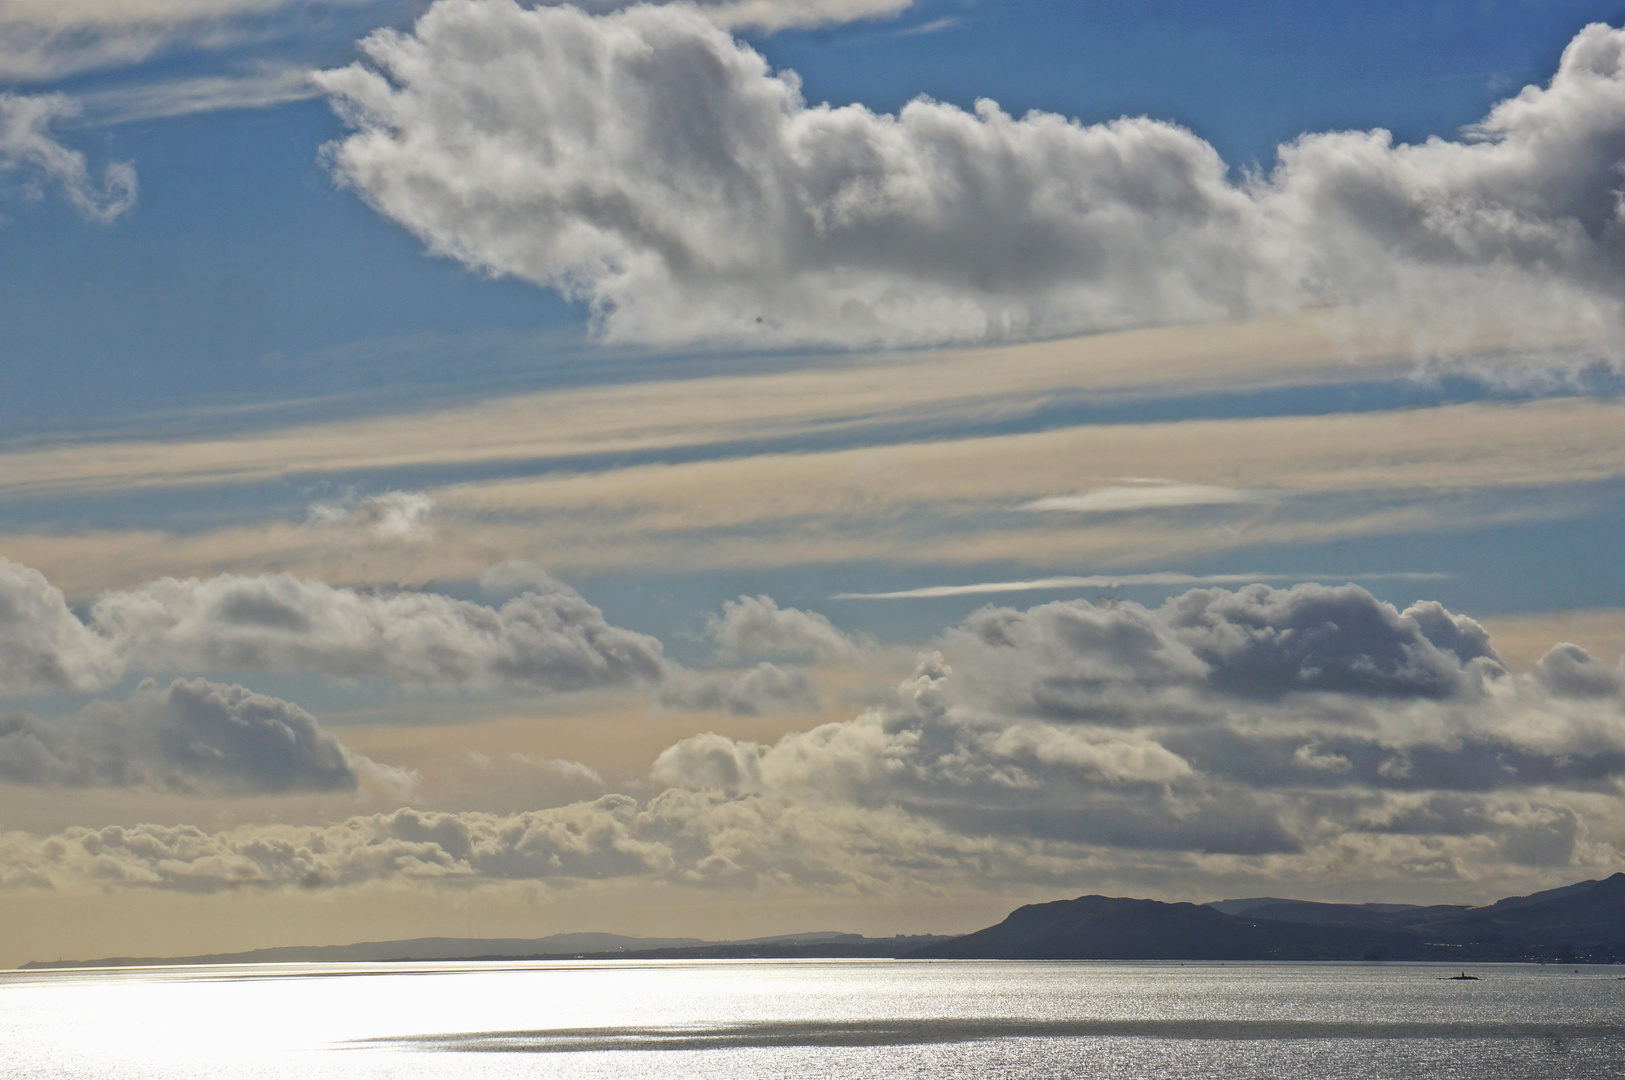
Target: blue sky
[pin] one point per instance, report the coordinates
(534, 416)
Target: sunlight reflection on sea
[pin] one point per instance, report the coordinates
(835, 1019)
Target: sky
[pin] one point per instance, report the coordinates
(489, 468)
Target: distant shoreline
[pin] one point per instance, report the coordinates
(1583, 923)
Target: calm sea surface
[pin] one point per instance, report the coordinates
(815, 1019)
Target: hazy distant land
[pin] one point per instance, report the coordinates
(585, 946)
(1580, 923)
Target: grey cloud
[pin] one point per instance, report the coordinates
(1524, 832)
(757, 626)
(647, 164)
(1265, 641)
(29, 150)
(1239, 724)
(1344, 760)
(1263, 732)
(765, 688)
(517, 576)
(43, 645)
(1569, 671)
(188, 737)
(546, 639)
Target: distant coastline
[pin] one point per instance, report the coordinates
(1579, 923)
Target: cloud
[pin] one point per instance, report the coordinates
(1569, 671)
(648, 165)
(773, 15)
(570, 770)
(189, 737)
(1266, 642)
(43, 645)
(260, 89)
(46, 40)
(546, 639)
(765, 688)
(1264, 724)
(757, 626)
(1145, 495)
(584, 840)
(691, 193)
(27, 148)
(394, 515)
(1118, 581)
(1260, 735)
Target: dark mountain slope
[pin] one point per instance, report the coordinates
(1108, 928)
(1576, 923)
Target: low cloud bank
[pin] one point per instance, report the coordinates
(1259, 734)
(652, 167)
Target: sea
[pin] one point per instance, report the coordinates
(815, 1019)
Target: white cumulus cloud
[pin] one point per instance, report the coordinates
(649, 165)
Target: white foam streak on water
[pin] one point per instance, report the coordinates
(835, 1019)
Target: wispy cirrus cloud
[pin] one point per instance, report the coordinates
(41, 40)
(30, 152)
(262, 88)
(47, 39)
(770, 16)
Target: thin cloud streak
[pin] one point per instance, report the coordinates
(1123, 581)
(1129, 496)
(207, 93)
